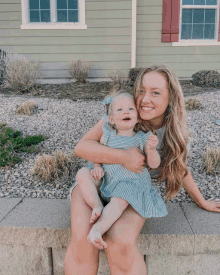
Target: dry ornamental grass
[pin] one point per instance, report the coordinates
(80, 69)
(27, 108)
(212, 159)
(53, 167)
(193, 104)
(20, 73)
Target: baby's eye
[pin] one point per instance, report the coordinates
(141, 92)
(119, 109)
(131, 108)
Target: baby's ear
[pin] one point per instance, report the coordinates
(110, 119)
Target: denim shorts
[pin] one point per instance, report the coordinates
(104, 200)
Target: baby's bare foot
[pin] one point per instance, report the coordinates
(95, 238)
(96, 212)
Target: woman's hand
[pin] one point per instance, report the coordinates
(211, 206)
(134, 160)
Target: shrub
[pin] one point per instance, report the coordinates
(193, 104)
(55, 166)
(209, 78)
(20, 73)
(2, 65)
(133, 73)
(212, 159)
(80, 69)
(119, 79)
(27, 108)
(11, 143)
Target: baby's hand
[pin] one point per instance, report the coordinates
(152, 142)
(97, 173)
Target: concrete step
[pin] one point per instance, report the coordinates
(35, 233)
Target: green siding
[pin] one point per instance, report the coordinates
(106, 42)
(183, 60)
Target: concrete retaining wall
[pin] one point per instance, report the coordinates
(35, 233)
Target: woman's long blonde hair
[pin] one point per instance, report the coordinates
(173, 166)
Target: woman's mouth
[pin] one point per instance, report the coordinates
(147, 108)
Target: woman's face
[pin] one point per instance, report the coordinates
(153, 98)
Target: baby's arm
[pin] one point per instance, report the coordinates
(153, 158)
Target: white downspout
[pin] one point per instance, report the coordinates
(133, 33)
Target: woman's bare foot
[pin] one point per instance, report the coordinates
(95, 238)
(96, 212)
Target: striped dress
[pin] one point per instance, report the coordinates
(135, 188)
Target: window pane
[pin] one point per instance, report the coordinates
(34, 16)
(209, 16)
(45, 16)
(199, 2)
(197, 31)
(198, 16)
(187, 2)
(187, 16)
(209, 32)
(62, 16)
(186, 31)
(73, 4)
(72, 16)
(62, 4)
(45, 4)
(34, 4)
(211, 2)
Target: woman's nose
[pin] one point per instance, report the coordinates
(146, 98)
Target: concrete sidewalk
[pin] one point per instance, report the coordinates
(35, 233)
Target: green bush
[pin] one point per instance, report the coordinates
(133, 73)
(11, 143)
(207, 78)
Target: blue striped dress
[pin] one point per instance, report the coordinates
(135, 188)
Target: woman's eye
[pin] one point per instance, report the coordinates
(156, 93)
(141, 92)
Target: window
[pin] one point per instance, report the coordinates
(53, 14)
(199, 20)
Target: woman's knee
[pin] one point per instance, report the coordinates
(82, 174)
(120, 251)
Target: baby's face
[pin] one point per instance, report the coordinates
(124, 113)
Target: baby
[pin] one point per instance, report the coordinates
(120, 186)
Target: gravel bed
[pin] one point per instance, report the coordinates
(65, 121)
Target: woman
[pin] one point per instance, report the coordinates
(160, 104)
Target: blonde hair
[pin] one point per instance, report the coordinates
(174, 148)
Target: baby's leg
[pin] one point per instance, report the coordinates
(88, 187)
(110, 214)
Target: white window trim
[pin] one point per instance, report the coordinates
(198, 42)
(52, 25)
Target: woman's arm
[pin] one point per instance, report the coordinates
(193, 191)
(90, 149)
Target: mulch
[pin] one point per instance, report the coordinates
(89, 90)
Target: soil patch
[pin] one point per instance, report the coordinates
(90, 90)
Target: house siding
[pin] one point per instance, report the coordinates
(106, 42)
(183, 60)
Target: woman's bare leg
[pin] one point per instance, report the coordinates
(88, 186)
(110, 214)
(123, 255)
(81, 258)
